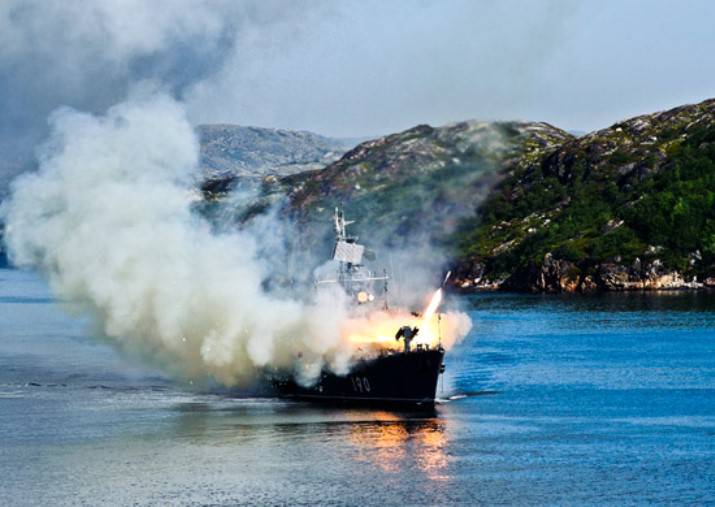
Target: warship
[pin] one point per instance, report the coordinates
(403, 376)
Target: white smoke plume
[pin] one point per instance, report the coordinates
(94, 53)
(108, 219)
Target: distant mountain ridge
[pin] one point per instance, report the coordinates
(527, 206)
(234, 150)
(407, 192)
(512, 205)
(231, 152)
(416, 185)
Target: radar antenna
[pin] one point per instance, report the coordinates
(341, 225)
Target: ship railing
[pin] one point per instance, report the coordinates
(355, 280)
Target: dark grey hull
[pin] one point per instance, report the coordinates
(396, 379)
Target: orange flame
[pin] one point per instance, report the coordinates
(376, 330)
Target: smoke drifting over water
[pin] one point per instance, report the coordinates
(108, 219)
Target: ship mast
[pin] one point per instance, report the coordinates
(341, 226)
(352, 275)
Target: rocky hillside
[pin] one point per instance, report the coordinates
(628, 207)
(417, 184)
(232, 151)
(510, 205)
(405, 191)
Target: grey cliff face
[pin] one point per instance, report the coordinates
(236, 151)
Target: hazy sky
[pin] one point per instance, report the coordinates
(372, 67)
(355, 68)
(378, 67)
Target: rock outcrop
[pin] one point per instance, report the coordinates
(558, 275)
(630, 207)
(417, 184)
(233, 151)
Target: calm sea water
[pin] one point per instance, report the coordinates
(551, 400)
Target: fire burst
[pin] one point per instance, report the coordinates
(433, 305)
(377, 329)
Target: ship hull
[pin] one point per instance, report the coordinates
(396, 379)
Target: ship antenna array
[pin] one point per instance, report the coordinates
(341, 225)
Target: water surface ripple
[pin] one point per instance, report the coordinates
(550, 400)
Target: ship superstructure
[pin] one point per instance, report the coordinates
(362, 285)
(406, 375)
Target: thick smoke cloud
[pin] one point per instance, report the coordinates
(339, 68)
(88, 55)
(108, 219)
(107, 215)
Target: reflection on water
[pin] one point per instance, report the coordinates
(594, 400)
(390, 442)
(387, 440)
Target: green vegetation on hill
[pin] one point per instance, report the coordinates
(518, 205)
(642, 190)
(528, 206)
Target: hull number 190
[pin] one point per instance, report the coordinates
(360, 384)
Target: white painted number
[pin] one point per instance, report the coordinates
(360, 384)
